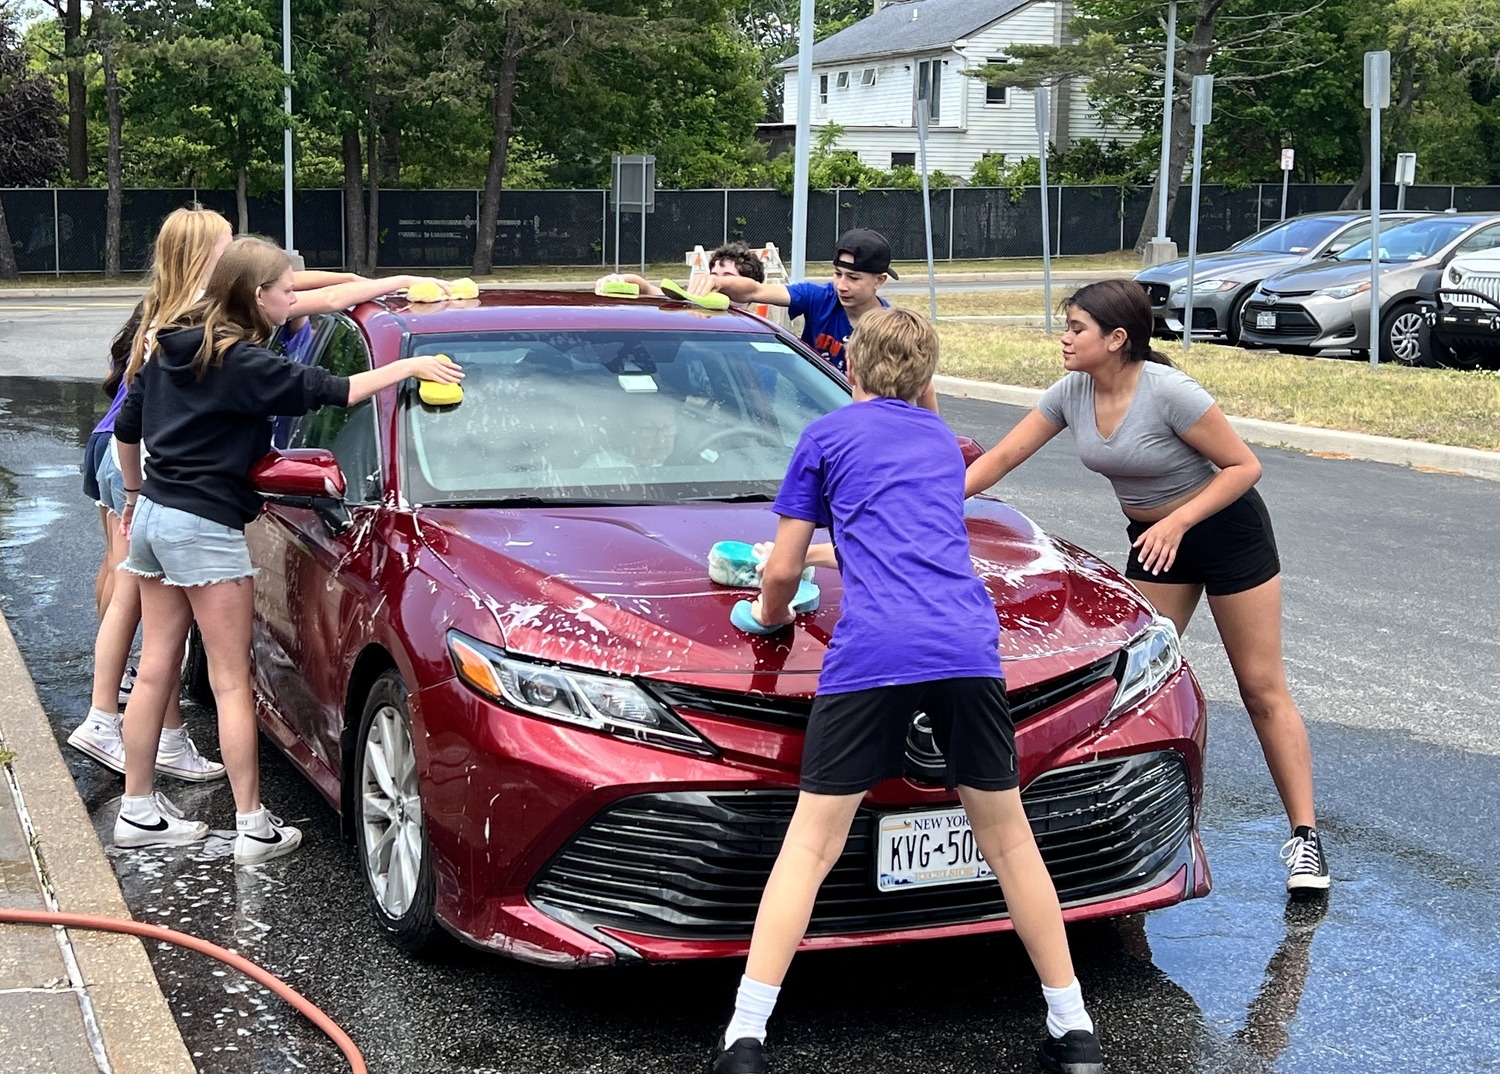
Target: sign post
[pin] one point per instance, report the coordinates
(1203, 114)
(926, 201)
(632, 189)
(1377, 96)
(1043, 98)
(801, 159)
(286, 136)
(1162, 248)
(1406, 175)
(1287, 158)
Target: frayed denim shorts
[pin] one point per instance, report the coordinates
(184, 549)
(111, 483)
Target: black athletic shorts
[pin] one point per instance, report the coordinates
(857, 739)
(1226, 553)
(93, 454)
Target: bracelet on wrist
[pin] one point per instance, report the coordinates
(133, 490)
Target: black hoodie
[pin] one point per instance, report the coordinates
(204, 435)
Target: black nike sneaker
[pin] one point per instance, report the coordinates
(745, 1056)
(1075, 1052)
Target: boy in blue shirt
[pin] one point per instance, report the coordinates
(917, 632)
(829, 311)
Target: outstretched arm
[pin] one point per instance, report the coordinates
(424, 366)
(1022, 442)
(741, 289)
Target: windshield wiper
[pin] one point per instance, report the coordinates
(538, 501)
(744, 497)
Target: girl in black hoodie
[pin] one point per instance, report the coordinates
(204, 404)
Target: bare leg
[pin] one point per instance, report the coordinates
(1176, 602)
(112, 647)
(104, 579)
(1005, 839)
(166, 616)
(1250, 625)
(814, 841)
(223, 611)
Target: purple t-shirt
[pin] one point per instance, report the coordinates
(107, 424)
(888, 478)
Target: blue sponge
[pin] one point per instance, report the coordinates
(807, 600)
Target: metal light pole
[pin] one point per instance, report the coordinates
(927, 203)
(1377, 96)
(286, 104)
(1203, 114)
(1043, 98)
(1160, 242)
(804, 136)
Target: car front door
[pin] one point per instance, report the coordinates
(315, 585)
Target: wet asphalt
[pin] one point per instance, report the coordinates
(1393, 611)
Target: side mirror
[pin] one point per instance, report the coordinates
(304, 477)
(972, 451)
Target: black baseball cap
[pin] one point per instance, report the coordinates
(863, 250)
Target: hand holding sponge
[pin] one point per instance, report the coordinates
(436, 393)
(432, 291)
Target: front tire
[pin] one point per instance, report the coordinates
(390, 832)
(1402, 334)
(1236, 311)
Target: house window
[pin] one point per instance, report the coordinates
(867, 77)
(822, 89)
(995, 94)
(929, 88)
(903, 160)
(843, 80)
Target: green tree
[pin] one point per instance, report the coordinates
(31, 149)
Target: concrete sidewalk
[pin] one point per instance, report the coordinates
(71, 1001)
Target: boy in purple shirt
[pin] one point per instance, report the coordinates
(917, 632)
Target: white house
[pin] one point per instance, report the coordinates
(869, 77)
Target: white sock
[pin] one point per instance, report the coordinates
(752, 1006)
(256, 823)
(1065, 1010)
(140, 809)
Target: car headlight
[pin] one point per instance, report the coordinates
(1348, 290)
(606, 703)
(1455, 275)
(1213, 287)
(1152, 657)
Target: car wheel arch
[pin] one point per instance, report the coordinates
(373, 661)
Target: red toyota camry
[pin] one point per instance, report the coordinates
(487, 633)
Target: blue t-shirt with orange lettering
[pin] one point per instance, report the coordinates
(825, 325)
(887, 478)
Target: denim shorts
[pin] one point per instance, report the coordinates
(111, 482)
(98, 445)
(183, 549)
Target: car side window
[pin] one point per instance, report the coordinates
(1484, 239)
(347, 431)
(1346, 239)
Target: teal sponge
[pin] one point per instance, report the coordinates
(733, 563)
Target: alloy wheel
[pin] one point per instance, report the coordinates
(1404, 337)
(391, 812)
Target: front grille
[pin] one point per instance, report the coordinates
(1290, 320)
(693, 864)
(1488, 286)
(1158, 293)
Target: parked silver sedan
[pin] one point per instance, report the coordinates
(1224, 280)
(1326, 305)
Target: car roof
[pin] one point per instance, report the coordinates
(538, 309)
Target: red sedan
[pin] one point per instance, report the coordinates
(487, 633)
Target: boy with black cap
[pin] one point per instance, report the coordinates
(829, 311)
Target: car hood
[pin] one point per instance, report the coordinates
(1238, 265)
(626, 590)
(1487, 263)
(1331, 273)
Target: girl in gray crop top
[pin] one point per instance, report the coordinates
(1185, 481)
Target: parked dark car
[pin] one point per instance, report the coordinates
(1224, 280)
(1326, 306)
(487, 634)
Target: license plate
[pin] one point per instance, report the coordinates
(1265, 319)
(935, 846)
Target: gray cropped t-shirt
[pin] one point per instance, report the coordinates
(1146, 459)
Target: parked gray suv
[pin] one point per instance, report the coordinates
(1224, 280)
(1326, 305)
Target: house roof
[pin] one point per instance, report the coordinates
(893, 31)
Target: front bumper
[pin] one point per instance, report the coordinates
(1314, 322)
(1464, 319)
(568, 848)
(1210, 313)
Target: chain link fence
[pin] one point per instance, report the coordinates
(56, 231)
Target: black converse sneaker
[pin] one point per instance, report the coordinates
(745, 1056)
(1075, 1052)
(1307, 865)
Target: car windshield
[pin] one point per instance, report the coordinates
(1416, 241)
(616, 417)
(1292, 236)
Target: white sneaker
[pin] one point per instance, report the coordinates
(252, 849)
(177, 756)
(99, 737)
(127, 684)
(168, 829)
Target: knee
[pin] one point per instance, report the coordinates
(1266, 697)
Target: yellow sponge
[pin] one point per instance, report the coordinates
(424, 291)
(464, 288)
(618, 289)
(436, 393)
(711, 301)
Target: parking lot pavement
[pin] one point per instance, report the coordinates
(1391, 628)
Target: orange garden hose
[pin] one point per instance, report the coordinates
(193, 943)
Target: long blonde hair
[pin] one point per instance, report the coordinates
(184, 247)
(229, 312)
